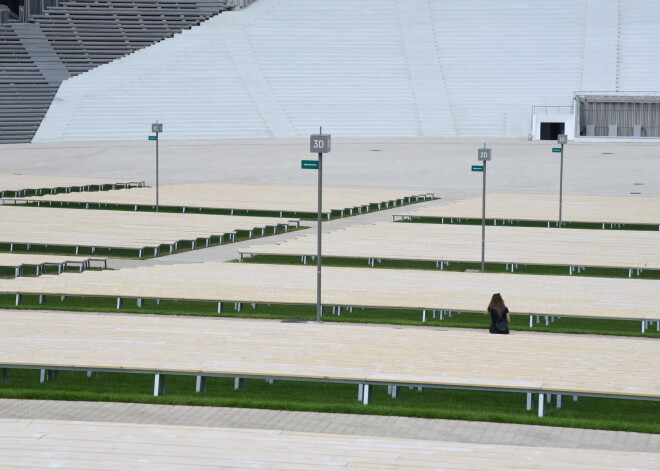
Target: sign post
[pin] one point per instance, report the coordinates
(561, 139)
(319, 143)
(157, 128)
(483, 155)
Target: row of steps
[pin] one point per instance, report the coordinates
(75, 37)
(373, 68)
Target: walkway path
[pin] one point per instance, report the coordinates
(370, 425)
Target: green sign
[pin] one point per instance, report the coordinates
(153, 138)
(477, 168)
(310, 164)
(556, 149)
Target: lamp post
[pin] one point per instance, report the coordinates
(561, 139)
(320, 144)
(483, 155)
(157, 128)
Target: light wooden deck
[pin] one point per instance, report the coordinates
(21, 183)
(250, 197)
(607, 298)
(509, 245)
(41, 444)
(119, 229)
(593, 209)
(373, 355)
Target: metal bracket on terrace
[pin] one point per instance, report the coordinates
(37, 265)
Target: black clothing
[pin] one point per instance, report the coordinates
(494, 317)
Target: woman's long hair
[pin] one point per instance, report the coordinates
(497, 304)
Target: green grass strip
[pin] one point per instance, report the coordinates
(56, 190)
(647, 274)
(516, 223)
(506, 407)
(164, 249)
(308, 312)
(308, 216)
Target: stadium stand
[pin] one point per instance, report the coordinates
(25, 94)
(380, 68)
(72, 38)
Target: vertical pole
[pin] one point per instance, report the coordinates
(157, 169)
(561, 181)
(366, 394)
(483, 220)
(319, 307)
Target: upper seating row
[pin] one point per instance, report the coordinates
(67, 37)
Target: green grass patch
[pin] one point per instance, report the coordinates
(507, 407)
(310, 216)
(308, 312)
(55, 191)
(146, 253)
(454, 266)
(516, 223)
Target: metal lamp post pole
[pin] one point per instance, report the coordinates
(561, 139)
(483, 155)
(483, 222)
(320, 144)
(157, 208)
(157, 128)
(319, 219)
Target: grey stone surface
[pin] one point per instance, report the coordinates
(439, 165)
(381, 426)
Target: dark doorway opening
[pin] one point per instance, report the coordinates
(550, 131)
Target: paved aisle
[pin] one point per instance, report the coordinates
(370, 425)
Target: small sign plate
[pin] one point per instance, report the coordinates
(562, 138)
(309, 164)
(319, 143)
(556, 149)
(153, 138)
(477, 168)
(483, 154)
(157, 127)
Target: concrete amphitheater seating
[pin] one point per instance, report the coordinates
(281, 68)
(73, 38)
(25, 94)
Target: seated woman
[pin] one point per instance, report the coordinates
(499, 315)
